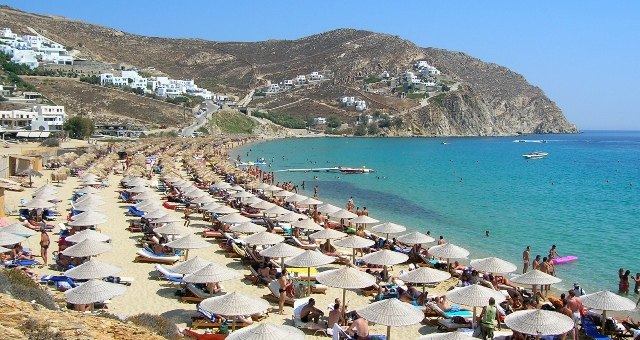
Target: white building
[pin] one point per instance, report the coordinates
(273, 88)
(426, 69)
(301, 79)
(319, 121)
(411, 78)
(30, 50)
(48, 118)
(316, 76)
(348, 101)
(361, 105)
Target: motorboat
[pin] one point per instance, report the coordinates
(535, 155)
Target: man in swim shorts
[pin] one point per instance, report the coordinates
(525, 259)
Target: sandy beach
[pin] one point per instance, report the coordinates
(148, 294)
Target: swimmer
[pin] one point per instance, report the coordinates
(486, 233)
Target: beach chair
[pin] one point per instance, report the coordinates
(315, 287)
(61, 282)
(149, 257)
(274, 288)
(132, 211)
(19, 263)
(195, 294)
(167, 274)
(209, 320)
(337, 333)
(310, 326)
(591, 330)
(436, 317)
(298, 243)
(212, 233)
(191, 334)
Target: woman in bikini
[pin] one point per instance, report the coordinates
(45, 241)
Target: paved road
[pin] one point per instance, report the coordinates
(200, 119)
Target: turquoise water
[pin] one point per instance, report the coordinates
(585, 197)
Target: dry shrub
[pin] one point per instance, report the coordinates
(157, 324)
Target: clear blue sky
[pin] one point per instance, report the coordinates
(584, 54)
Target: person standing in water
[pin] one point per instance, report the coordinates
(525, 259)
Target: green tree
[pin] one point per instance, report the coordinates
(361, 130)
(397, 122)
(79, 127)
(373, 129)
(334, 122)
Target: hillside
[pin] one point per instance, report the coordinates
(488, 99)
(107, 105)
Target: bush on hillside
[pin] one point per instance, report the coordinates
(36, 330)
(21, 287)
(50, 142)
(156, 323)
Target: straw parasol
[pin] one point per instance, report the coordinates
(535, 277)
(309, 201)
(88, 234)
(188, 242)
(155, 214)
(283, 193)
(266, 331)
(92, 269)
(252, 200)
(415, 238)
(173, 228)
(234, 304)
(295, 198)
(292, 217)
(391, 313)
(234, 218)
(364, 219)
(425, 275)
(248, 227)
(212, 273)
(146, 195)
(385, 258)
(342, 215)
(18, 229)
(222, 185)
(94, 291)
(327, 209)
(276, 210)
(88, 218)
(448, 251)
(88, 190)
(307, 224)
(190, 266)
(354, 242)
(457, 335)
(606, 300)
(263, 238)
(8, 239)
(38, 203)
(327, 234)
(138, 189)
(385, 228)
(87, 248)
(262, 204)
(474, 296)
(346, 278)
(46, 188)
(493, 265)
(168, 219)
(281, 250)
(308, 259)
(223, 209)
(539, 322)
(89, 198)
(263, 186)
(30, 173)
(203, 200)
(242, 194)
(210, 206)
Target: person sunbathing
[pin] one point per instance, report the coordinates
(19, 253)
(413, 296)
(213, 287)
(264, 274)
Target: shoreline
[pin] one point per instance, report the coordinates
(555, 291)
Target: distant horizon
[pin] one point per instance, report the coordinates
(581, 55)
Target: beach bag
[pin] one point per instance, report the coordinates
(224, 328)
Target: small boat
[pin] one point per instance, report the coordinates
(535, 155)
(362, 170)
(444, 143)
(564, 259)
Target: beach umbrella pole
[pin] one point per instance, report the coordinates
(309, 279)
(344, 306)
(604, 319)
(354, 256)
(388, 332)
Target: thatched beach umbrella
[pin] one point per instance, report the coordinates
(224, 210)
(425, 275)
(308, 259)
(47, 188)
(346, 278)
(234, 218)
(535, 277)
(242, 194)
(292, 217)
(327, 209)
(87, 248)
(138, 189)
(283, 193)
(93, 291)
(281, 250)
(266, 331)
(385, 258)
(391, 313)
(173, 228)
(234, 304)
(276, 210)
(30, 173)
(38, 203)
(539, 322)
(363, 219)
(147, 195)
(212, 273)
(190, 266)
(248, 227)
(263, 238)
(607, 301)
(415, 238)
(448, 251)
(309, 202)
(295, 198)
(354, 242)
(168, 218)
(307, 224)
(92, 269)
(88, 218)
(327, 234)
(386, 228)
(8, 239)
(474, 296)
(188, 242)
(88, 190)
(88, 234)
(493, 265)
(18, 229)
(211, 206)
(155, 214)
(203, 200)
(89, 198)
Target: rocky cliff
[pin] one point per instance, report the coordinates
(488, 99)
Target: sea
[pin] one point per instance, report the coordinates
(583, 197)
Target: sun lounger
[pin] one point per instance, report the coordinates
(149, 257)
(19, 263)
(591, 330)
(195, 294)
(135, 212)
(60, 281)
(169, 275)
(450, 326)
(210, 320)
(296, 242)
(315, 287)
(275, 294)
(305, 326)
(212, 233)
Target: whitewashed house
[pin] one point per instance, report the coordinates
(348, 101)
(48, 118)
(315, 76)
(361, 105)
(319, 121)
(273, 88)
(301, 79)
(287, 84)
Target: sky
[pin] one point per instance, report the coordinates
(585, 55)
